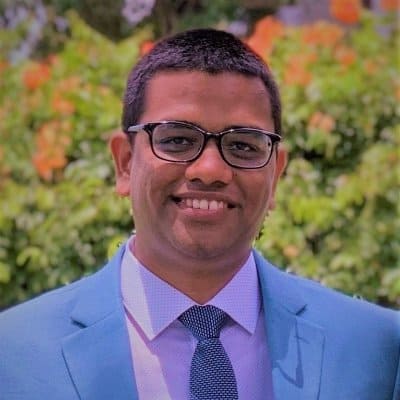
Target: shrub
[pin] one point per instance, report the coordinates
(59, 215)
(337, 218)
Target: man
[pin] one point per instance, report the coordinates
(186, 309)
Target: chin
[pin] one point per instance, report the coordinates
(208, 248)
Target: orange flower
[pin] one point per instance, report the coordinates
(53, 59)
(104, 90)
(61, 105)
(51, 144)
(291, 251)
(45, 165)
(393, 158)
(322, 122)
(297, 75)
(370, 67)
(345, 55)
(266, 31)
(3, 65)
(322, 33)
(145, 47)
(36, 75)
(397, 92)
(71, 83)
(346, 11)
(297, 70)
(390, 5)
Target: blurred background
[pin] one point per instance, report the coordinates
(63, 66)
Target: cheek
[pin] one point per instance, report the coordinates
(140, 176)
(258, 186)
(152, 180)
(258, 193)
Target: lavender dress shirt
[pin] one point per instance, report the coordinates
(162, 348)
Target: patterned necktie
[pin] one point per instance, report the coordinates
(211, 373)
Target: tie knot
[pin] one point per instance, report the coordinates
(205, 322)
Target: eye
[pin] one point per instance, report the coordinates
(175, 143)
(246, 145)
(241, 146)
(176, 140)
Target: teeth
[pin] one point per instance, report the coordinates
(204, 204)
(213, 205)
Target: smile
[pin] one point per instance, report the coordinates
(202, 204)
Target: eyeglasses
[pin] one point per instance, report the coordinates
(181, 142)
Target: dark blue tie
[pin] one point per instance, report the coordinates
(211, 373)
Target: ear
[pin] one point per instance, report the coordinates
(280, 165)
(121, 151)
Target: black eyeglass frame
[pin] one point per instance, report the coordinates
(150, 126)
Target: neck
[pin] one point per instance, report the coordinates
(198, 278)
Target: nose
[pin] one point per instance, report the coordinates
(210, 168)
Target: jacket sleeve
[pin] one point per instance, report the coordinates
(396, 392)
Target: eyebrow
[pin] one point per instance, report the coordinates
(226, 128)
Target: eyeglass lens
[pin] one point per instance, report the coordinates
(241, 147)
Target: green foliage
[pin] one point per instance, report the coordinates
(208, 12)
(59, 216)
(337, 216)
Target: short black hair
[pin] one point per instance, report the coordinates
(206, 50)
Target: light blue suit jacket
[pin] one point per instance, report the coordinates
(72, 343)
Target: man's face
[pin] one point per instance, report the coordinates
(165, 195)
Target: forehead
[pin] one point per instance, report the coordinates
(222, 99)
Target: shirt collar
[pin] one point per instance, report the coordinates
(154, 304)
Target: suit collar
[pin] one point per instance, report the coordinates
(94, 304)
(295, 345)
(278, 288)
(98, 355)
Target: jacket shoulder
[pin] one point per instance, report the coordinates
(37, 313)
(323, 303)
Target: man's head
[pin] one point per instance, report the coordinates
(205, 50)
(200, 186)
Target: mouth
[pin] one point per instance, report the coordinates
(202, 204)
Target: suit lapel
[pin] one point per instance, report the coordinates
(98, 355)
(295, 345)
